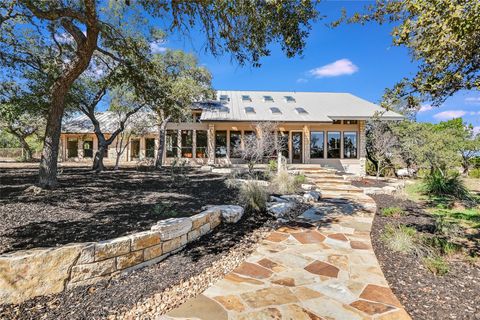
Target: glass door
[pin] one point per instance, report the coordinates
(297, 147)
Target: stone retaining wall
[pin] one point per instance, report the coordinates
(30, 273)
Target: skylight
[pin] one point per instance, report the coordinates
(249, 110)
(275, 110)
(289, 99)
(224, 98)
(246, 98)
(267, 99)
(301, 110)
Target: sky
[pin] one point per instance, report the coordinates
(351, 58)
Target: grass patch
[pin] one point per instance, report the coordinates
(400, 238)
(468, 217)
(392, 212)
(165, 210)
(442, 246)
(253, 196)
(437, 265)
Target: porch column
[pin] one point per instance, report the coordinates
(211, 143)
(95, 145)
(341, 145)
(156, 148)
(142, 152)
(362, 145)
(194, 144)
(80, 148)
(306, 148)
(179, 143)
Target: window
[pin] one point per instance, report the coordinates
(249, 110)
(196, 116)
(171, 143)
(235, 139)
(337, 121)
(267, 99)
(150, 147)
(72, 148)
(187, 143)
(350, 121)
(135, 149)
(220, 144)
(224, 98)
(317, 144)
(333, 144)
(301, 110)
(275, 110)
(350, 145)
(289, 99)
(202, 141)
(246, 98)
(88, 149)
(282, 137)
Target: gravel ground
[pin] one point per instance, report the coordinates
(424, 295)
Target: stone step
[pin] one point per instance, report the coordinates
(338, 188)
(330, 180)
(323, 175)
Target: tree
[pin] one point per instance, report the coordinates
(442, 36)
(31, 30)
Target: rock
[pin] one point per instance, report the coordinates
(277, 199)
(262, 183)
(174, 243)
(280, 209)
(311, 196)
(87, 271)
(222, 170)
(26, 274)
(373, 190)
(173, 228)
(34, 189)
(112, 248)
(292, 198)
(145, 239)
(307, 186)
(389, 190)
(312, 214)
(206, 168)
(230, 213)
(129, 260)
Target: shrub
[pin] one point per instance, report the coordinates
(283, 183)
(474, 173)
(447, 228)
(438, 184)
(436, 264)
(253, 196)
(299, 179)
(392, 212)
(399, 238)
(272, 165)
(165, 210)
(442, 246)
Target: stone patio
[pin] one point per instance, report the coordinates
(321, 266)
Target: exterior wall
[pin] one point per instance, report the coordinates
(355, 166)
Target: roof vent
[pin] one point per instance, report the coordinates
(267, 99)
(275, 110)
(301, 110)
(246, 98)
(249, 110)
(289, 99)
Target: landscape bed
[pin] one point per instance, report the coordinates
(94, 207)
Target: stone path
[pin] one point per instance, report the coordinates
(319, 267)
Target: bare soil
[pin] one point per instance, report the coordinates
(425, 296)
(92, 207)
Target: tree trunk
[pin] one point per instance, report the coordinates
(98, 159)
(161, 143)
(117, 161)
(27, 151)
(379, 166)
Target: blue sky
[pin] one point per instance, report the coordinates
(351, 58)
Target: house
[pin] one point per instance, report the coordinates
(318, 128)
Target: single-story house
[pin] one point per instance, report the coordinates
(319, 127)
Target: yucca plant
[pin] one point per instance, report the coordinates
(439, 184)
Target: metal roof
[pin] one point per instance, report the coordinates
(320, 107)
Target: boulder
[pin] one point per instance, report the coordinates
(222, 170)
(292, 198)
(206, 168)
(173, 228)
(277, 199)
(307, 186)
(311, 196)
(389, 190)
(280, 209)
(230, 213)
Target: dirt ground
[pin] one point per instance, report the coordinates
(92, 207)
(455, 295)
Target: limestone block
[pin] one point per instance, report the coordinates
(174, 243)
(307, 186)
(144, 240)
(204, 229)
(153, 252)
(280, 209)
(130, 259)
(92, 270)
(87, 254)
(193, 235)
(200, 219)
(311, 196)
(277, 199)
(26, 274)
(230, 213)
(173, 227)
(292, 197)
(112, 248)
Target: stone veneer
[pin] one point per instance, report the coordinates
(29, 273)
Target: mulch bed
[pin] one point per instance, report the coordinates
(369, 183)
(92, 207)
(118, 295)
(455, 295)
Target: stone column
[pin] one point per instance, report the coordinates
(179, 143)
(194, 144)
(211, 143)
(362, 148)
(306, 141)
(142, 153)
(341, 145)
(80, 148)
(95, 145)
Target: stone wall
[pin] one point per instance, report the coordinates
(30, 273)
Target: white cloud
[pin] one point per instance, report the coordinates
(157, 47)
(449, 114)
(476, 130)
(302, 80)
(472, 100)
(334, 69)
(425, 107)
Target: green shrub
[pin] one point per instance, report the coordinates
(436, 264)
(272, 165)
(442, 246)
(400, 238)
(392, 212)
(283, 183)
(474, 173)
(299, 179)
(438, 184)
(165, 210)
(447, 228)
(253, 196)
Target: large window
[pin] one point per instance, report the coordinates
(333, 145)
(72, 148)
(235, 140)
(202, 142)
(187, 143)
(135, 148)
(88, 149)
(150, 147)
(171, 143)
(317, 145)
(349, 145)
(220, 144)
(282, 137)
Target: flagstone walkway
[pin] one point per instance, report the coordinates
(321, 266)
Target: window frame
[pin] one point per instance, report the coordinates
(345, 134)
(322, 153)
(198, 147)
(339, 144)
(217, 147)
